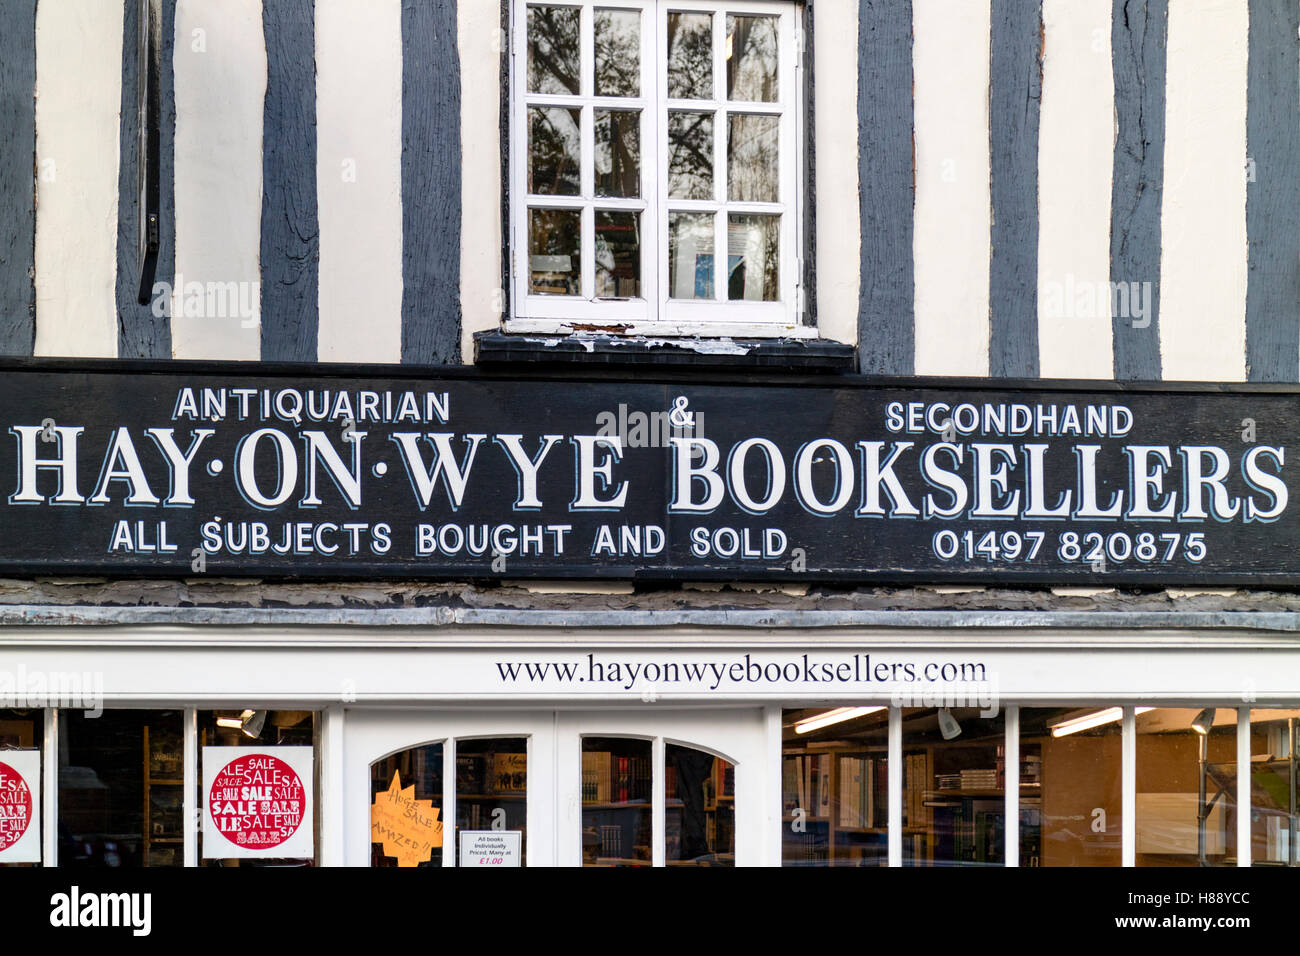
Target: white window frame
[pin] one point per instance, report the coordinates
(655, 313)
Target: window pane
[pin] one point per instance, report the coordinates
(262, 729)
(618, 153)
(690, 255)
(20, 731)
(616, 822)
(618, 255)
(953, 780)
(753, 162)
(690, 56)
(1070, 786)
(553, 50)
(700, 813)
(1274, 824)
(418, 775)
(492, 787)
(121, 789)
(1175, 825)
(554, 151)
(690, 155)
(555, 251)
(618, 52)
(753, 270)
(835, 787)
(751, 59)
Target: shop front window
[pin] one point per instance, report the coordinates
(1274, 814)
(121, 789)
(1070, 786)
(406, 787)
(491, 798)
(21, 733)
(275, 803)
(835, 787)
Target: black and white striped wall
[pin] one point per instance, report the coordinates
(1058, 188)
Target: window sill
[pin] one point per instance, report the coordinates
(801, 354)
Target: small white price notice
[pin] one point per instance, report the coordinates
(484, 849)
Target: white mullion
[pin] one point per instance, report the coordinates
(519, 212)
(651, 146)
(1011, 784)
(190, 803)
(587, 161)
(449, 802)
(721, 187)
(543, 201)
(50, 787)
(658, 804)
(788, 153)
(661, 109)
(1243, 787)
(894, 770)
(1128, 789)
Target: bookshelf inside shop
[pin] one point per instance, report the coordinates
(836, 804)
(164, 791)
(491, 785)
(617, 788)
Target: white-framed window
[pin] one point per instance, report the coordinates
(646, 136)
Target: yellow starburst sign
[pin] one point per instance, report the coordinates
(408, 828)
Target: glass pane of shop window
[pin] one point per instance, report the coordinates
(1186, 787)
(753, 257)
(954, 780)
(554, 251)
(753, 159)
(1274, 814)
(121, 789)
(21, 736)
(618, 153)
(835, 786)
(618, 52)
(492, 788)
(264, 729)
(690, 155)
(752, 59)
(554, 151)
(554, 50)
(690, 56)
(616, 814)
(618, 255)
(414, 780)
(1070, 786)
(700, 810)
(690, 255)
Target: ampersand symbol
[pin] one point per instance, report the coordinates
(679, 417)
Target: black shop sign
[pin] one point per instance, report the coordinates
(190, 469)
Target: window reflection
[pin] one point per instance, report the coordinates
(752, 59)
(618, 52)
(616, 812)
(690, 155)
(753, 266)
(753, 168)
(618, 255)
(618, 153)
(700, 815)
(121, 789)
(1274, 821)
(835, 787)
(555, 251)
(553, 50)
(690, 56)
(1187, 787)
(690, 255)
(554, 151)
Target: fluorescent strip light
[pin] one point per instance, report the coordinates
(234, 723)
(1089, 721)
(838, 715)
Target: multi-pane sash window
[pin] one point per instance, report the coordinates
(655, 167)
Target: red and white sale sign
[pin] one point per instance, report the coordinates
(20, 806)
(258, 802)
